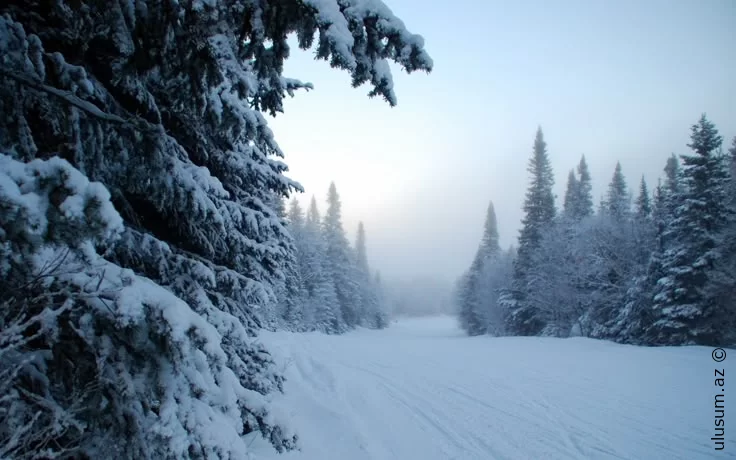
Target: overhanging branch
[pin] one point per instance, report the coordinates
(74, 100)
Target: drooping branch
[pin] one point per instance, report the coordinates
(85, 106)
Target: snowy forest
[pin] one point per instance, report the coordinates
(162, 285)
(644, 267)
(329, 286)
(141, 243)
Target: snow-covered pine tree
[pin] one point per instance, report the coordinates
(616, 253)
(472, 307)
(657, 202)
(496, 279)
(672, 175)
(585, 191)
(559, 260)
(571, 204)
(464, 301)
(271, 313)
(685, 311)
(340, 260)
(539, 209)
(554, 278)
(323, 305)
(489, 245)
(162, 102)
(617, 204)
(555, 281)
(296, 221)
(578, 203)
(292, 296)
(666, 203)
(370, 314)
(722, 281)
(97, 361)
(637, 315)
(643, 201)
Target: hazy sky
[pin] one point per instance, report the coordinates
(614, 80)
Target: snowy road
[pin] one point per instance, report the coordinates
(422, 390)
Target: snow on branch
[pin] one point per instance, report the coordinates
(74, 100)
(361, 36)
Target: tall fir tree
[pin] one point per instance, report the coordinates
(539, 210)
(643, 201)
(539, 205)
(585, 190)
(340, 260)
(292, 297)
(722, 282)
(370, 313)
(489, 246)
(684, 310)
(571, 204)
(616, 256)
(495, 280)
(621, 250)
(667, 201)
(637, 314)
(617, 204)
(672, 175)
(296, 219)
(472, 312)
(284, 283)
(319, 283)
(658, 199)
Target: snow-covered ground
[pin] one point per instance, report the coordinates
(422, 390)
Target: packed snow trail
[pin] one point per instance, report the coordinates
(422, 390)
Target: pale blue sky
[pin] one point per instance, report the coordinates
(614, 80)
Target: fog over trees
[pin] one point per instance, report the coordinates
(653, 270)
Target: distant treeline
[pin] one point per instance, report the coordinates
(660, 272)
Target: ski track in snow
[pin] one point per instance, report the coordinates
(422, 390)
